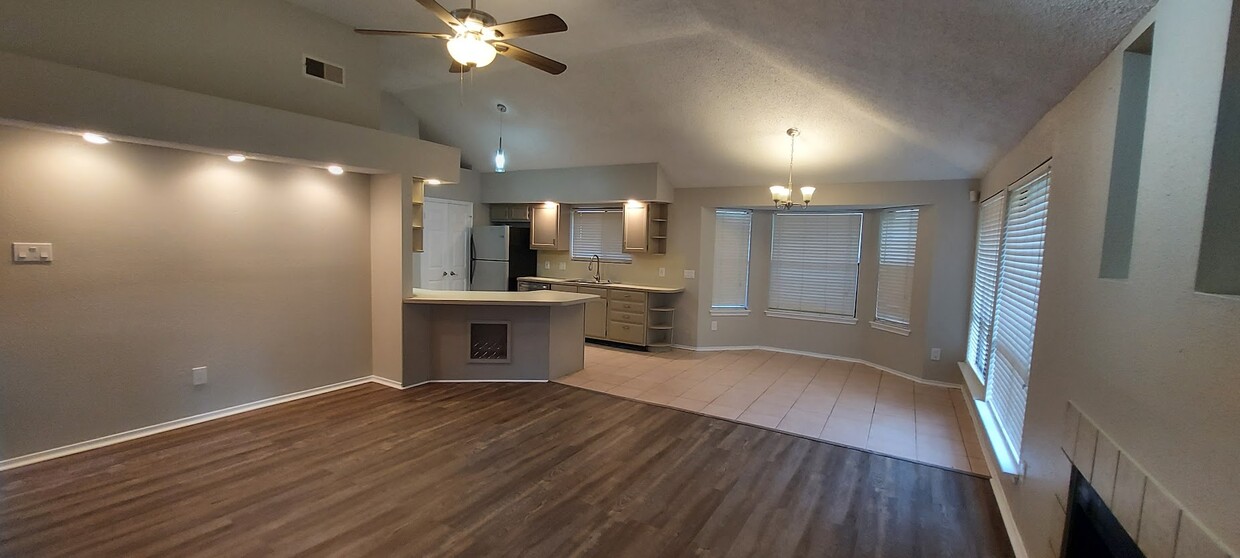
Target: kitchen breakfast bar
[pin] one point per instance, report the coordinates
(482, 335)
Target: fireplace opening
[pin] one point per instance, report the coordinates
(1091, 530)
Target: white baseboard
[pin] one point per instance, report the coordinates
(483, 382)
(386, 382)
(904, 375)
(136, 433)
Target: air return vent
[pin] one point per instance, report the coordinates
(324, 71)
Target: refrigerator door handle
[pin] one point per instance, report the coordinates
(472, 251)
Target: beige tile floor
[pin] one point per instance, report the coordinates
(835, 401)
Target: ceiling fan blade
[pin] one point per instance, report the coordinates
(439, 11)
(458, 68)
(403, 33)
(536, 60)
(539, 25)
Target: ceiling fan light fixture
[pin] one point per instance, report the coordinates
(469, 49)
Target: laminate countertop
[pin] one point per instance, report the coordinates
(497, 298)
(621, 286)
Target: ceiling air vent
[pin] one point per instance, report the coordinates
(324, 71)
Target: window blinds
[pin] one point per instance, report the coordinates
(1016, 308)
(731, 278)
(601, 232)
(985, 280)
(897, 250)
(814, 258)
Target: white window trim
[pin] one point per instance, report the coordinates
(891, 327)
(1007, 461)
(737, 310)
(812, 317)
(572, 233)
(850, 319)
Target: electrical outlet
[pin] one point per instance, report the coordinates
(200, 375)
(662, 272)
(690, 274)
(546, 265)
(714, 325)
(936, 354)
(563, 266)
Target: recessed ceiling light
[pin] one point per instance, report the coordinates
(335, 169)
(433, 181)
(94, 138)
(237, 158)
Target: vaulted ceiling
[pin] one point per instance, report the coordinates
(882, 90)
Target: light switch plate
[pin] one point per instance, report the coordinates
(563, 266)
(200, 375)
(546, 265)
(714, 325)
(32, 251)
(690, 274)
(936, 354)
(662, 272)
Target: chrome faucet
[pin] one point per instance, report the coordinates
(596, 265)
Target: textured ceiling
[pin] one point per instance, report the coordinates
(883, 90)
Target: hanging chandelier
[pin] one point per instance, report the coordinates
(782, 195)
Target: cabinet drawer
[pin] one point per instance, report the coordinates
(564, 288)
(628, 296)
(601, 293)
(626, 333)
(638, 319)
(630, 307)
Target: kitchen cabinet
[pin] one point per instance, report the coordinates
(549, 227)
(510, 213)
(628, 314)
(645, 228)
(596, 313)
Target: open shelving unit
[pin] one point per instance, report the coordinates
(658, 228)
(660, 320)
(417, 200)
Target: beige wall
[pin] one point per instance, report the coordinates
(609, 183)
(1151, 361)
(245, 50)
(166, 260)
(940, 290)
(940, 297)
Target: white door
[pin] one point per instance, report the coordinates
(445, 261)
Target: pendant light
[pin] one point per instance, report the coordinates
(501, 160)
(782, 195)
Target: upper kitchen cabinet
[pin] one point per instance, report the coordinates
(645, 228)
(510, 213)
(549, 226)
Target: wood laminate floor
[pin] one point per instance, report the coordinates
(489, 470)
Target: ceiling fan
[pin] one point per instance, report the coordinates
(477, 38)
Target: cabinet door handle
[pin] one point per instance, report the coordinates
(445, 274)
(454, 274)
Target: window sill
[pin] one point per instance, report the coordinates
(972, 381)
(828, 318)
(891, 327)
(1004, 459)
(725, 312)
